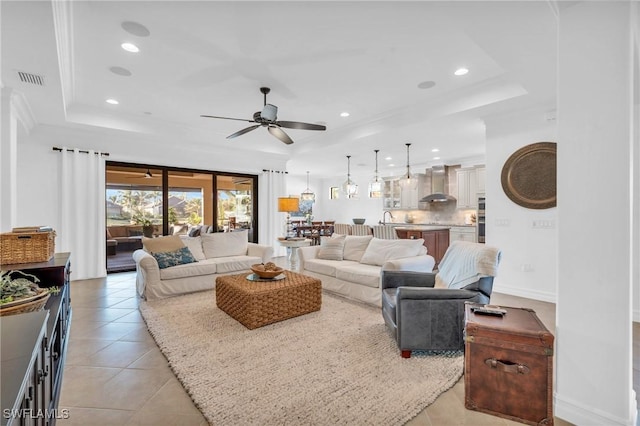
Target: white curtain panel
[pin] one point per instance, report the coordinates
(271, 184)
(82, 213)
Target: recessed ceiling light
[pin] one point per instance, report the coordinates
(344, 114)
(436, 158)
(112, 101)
(130, 47)
(120, 71)
(387, 158)
(391, 165)
(435, 150)
(461, 71)
(426, 84)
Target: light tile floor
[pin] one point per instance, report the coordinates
(116, 375)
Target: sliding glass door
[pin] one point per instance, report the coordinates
(154, 201)
(235, 203)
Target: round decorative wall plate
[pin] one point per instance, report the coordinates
(529, 176)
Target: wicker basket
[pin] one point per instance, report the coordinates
(29, 304)
(27, 247)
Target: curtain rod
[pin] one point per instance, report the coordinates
(55, 148)
(275, 171)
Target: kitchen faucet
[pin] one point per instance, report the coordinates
(382, 222)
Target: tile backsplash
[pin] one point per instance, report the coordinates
(445, 213)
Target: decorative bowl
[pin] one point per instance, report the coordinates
(358, 221)
(265, 274)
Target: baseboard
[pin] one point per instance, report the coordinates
(579, 414)
(527, 293)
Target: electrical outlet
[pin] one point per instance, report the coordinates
(543, 224)
(502, 222)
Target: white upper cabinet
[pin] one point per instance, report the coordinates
(395, 197)
(471, 182)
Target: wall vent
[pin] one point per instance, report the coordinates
(26, 77)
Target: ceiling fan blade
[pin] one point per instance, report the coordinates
(243, 131)
(228, 118)
(302, 126)
(280, 134)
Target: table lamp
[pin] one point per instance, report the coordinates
(288, 205)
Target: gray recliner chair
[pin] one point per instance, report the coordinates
(421, 317)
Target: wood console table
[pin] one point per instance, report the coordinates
(33, 383)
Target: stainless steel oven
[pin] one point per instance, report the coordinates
(481, 219)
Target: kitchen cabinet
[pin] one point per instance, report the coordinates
(435, 240)
(463, 233)
(391, 194)
(395, 197)
(471, 182)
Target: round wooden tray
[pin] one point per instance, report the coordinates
(529, 176)
(28, 304)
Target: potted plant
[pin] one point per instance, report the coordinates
(147, 226)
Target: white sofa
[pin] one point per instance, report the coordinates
(357, 274)
(216, 254)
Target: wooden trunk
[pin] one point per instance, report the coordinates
(509, 365)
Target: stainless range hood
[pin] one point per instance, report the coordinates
(439, 178)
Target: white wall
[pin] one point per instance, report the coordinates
(595, 193)
(344, 209)
(529, 256)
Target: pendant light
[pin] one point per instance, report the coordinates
(308, 194)
(408, 181)
(376, 184)
(349, 187)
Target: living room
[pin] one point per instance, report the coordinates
(597, 137)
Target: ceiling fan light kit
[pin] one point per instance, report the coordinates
(268, 118)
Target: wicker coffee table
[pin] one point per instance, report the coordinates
(258, 303)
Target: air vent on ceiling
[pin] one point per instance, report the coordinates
(26, 77)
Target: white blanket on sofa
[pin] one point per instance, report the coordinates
(465, 262)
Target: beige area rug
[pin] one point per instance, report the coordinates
(335, 366)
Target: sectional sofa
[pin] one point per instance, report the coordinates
(351, 265)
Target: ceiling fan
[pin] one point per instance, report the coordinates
(268, 118)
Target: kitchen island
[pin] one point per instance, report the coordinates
(436, 238)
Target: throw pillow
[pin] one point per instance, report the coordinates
(162, 244)
(355, 246)
(222, 244)
(380, 251)
(331, 248)
(182, 256)
(195, 246)
(195, 231)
